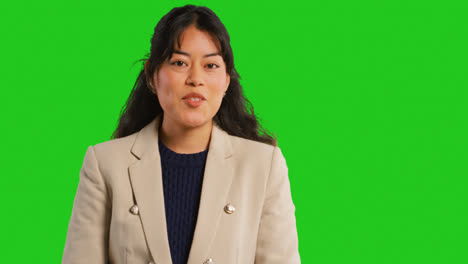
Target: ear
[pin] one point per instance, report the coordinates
(146, 67)
(152, 85)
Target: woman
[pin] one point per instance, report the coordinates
(187, 177)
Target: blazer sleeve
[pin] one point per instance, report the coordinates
(88, 229)
(277, 240)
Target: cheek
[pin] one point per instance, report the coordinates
(217, 90)
(167, 87)
(219, 84)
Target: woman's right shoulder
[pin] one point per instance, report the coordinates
(114, 151)
(116, 145)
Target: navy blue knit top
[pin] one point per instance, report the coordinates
(182, 180)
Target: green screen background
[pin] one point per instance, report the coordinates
(368, 100)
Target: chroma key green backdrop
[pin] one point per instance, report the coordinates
(368, 99)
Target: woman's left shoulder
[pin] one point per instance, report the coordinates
(249, 148)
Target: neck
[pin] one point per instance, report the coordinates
(185, 140)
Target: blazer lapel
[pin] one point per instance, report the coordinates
(217, 180)
(147, 185)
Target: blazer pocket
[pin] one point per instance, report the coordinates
(136, 248)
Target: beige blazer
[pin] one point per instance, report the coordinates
(118, 174)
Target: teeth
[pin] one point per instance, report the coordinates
(194, 99)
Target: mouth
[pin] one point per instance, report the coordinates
(194, 102)
(194, 99)
(194, 96)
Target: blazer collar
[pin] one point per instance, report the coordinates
(146, 141)
(146, 182)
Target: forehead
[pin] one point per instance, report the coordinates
(191, 39)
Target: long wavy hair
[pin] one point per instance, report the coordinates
(236, 114)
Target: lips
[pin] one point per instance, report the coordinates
(194, 96)
(194, 99)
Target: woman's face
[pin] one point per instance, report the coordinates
(195, 67)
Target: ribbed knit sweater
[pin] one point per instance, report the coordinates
(182, 180)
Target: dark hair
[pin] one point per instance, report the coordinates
(236, 114)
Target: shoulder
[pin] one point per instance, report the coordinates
(116, 145)
(249, 145)
(115, 150)
(255, 151)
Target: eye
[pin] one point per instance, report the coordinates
(214, 66)
(178, 63)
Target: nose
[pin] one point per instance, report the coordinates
(195, 77)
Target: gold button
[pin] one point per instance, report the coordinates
(229, 208)
(134, 209)
(209, 261)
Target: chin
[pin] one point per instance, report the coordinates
(193, 121)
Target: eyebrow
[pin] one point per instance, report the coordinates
(188, 54)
